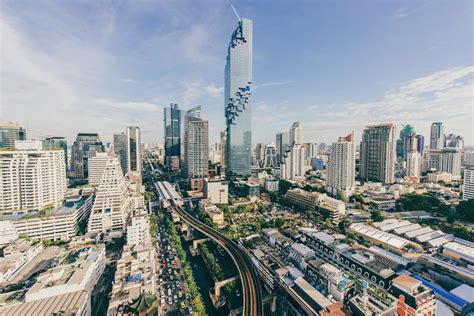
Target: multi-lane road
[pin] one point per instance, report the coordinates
(252, 295)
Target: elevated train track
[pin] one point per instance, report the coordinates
(252, 295)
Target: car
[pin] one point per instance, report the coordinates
(175, 297)
(162, 303)
(183, 305)
(190, 309)
(170, 301)
(180, 294)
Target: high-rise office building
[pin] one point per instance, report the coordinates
(196, 146)
(406, 129)
(450, 162)
(296, 134)
(96, 168)
(341, 166)
(310, 152)
(9, 133)
(437, 135)
(259, 152)
(282, 144)
(420, 144)
(112, 201)
(31, 180)
(468, 193)
(454, 141)
(85, 146)
(222, 146)
(238, 79)
(172, 132)
(55, 142)
(292, 165)
(134, 162)
(270, 157)
(410, 144)
(377, 153)
(120, 150)
(414, 164)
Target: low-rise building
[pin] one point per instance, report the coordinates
(138, 231)
(436, 177)
(271, 185)
(379, 237)
(331, 279)
(316, 201)
(16, 256)
(136, 269)
(360, 262)
(414, 299)
(81, 269)
(214, 213)
(57, 224)
(76, 303)
(216, 190)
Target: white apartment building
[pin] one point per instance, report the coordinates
(450, 162)
(435, 177)
(341, 166)
(216, 191)
(468, 193)
(59, 224)
(444, 160)
(138, 231)
(296, 134)
(112, 202)
(292, 166)
(414, 164)
(31, 180)
(96, 168)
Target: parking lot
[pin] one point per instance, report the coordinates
(174, 294)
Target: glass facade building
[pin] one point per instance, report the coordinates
(120, 150)
(9, 133)
(238, 80)
(85, 147)
(133, 149)
(172, 124)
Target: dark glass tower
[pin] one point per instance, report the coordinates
(172, 125)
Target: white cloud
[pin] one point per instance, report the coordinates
(214, 91)
(270, 84)
(194, 91)
(446, 95)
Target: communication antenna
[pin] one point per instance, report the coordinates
(238, 17)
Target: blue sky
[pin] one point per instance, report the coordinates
(97, 66)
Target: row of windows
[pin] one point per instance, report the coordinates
(344, 261)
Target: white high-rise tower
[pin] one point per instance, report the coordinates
(341, 166)
(112, 201)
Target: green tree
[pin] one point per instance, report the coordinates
(465, 209)
(283, 187)
(340, 196)
(376, 216)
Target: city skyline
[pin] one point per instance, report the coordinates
(56, 68)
